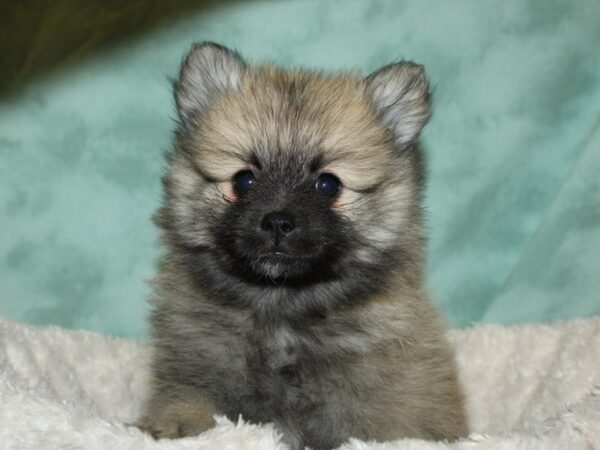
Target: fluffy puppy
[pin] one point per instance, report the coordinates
(291, 290)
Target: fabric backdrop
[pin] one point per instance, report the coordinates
(513, 147)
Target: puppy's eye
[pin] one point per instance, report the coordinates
(243, 181)
(328, 184)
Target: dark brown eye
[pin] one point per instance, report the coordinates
(243, 181)
(328, 184)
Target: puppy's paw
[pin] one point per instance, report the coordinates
(174, 427)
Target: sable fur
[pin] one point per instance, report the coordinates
(339, 340)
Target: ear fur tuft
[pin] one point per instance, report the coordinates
(401, 95)
(207, 70)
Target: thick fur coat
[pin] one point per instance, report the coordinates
(291, 290)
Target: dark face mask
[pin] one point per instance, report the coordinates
(282, 226)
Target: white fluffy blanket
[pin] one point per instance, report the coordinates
(534, 386)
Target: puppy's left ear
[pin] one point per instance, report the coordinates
(209, 69)
(400, 94)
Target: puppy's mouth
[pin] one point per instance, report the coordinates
(279, 265)
(280, 255)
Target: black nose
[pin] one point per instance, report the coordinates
(278, 224)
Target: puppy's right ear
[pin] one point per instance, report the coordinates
(208, 70)
(401, 95)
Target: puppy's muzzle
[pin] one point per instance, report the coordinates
(278, 225)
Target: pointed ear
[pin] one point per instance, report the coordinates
(401, 95)
(208, 70)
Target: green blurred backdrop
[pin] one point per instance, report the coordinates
(513, 147)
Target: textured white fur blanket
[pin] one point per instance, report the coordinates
(534, 386)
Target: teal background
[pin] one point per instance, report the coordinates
(514, 144)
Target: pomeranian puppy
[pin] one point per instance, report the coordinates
(292, 287)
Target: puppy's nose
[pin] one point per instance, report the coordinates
(278, 224)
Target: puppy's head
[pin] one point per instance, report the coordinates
(295, 175)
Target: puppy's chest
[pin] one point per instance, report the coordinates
(296, 356)
(278, 353)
